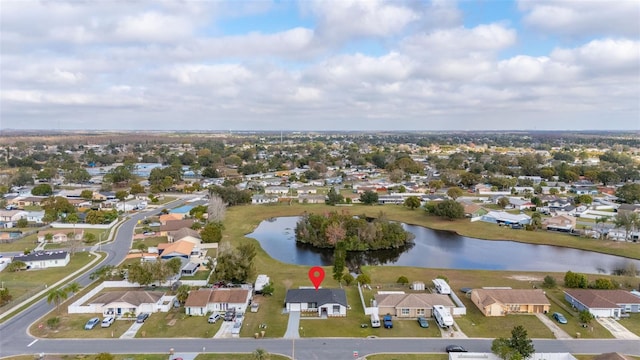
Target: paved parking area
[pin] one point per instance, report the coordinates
(618, 331)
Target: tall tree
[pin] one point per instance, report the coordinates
(521, 343)
(216, 209)
(412, 202)
(56, 296)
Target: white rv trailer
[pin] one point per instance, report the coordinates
(441, 286)
(443, 316)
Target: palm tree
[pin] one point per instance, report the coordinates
(601, 220)
(261, 354)
(626, 221)
(57, 296)
(536, 220)
(73, 287)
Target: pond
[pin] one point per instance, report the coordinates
(440, 249)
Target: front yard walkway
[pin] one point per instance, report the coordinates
(618, 331)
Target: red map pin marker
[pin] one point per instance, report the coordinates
(316, 275)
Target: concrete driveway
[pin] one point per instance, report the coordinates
(225, 330)
(133, 330)
(618, 331)
(558, 332)
(293, 325)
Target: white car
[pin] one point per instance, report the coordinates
(106, 322)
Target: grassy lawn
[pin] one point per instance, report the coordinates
(150, 241)
(199, 275)
(252, 215)
(237, 357)
(242, 220)
(408, 357)
(23, 284)
(26, 243)
(176, 323)
(72, 326)
(632, 323)
(31, 241)
(573, 326)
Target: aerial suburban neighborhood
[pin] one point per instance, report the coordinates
(188, 222)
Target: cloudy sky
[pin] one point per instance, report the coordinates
(320, 65)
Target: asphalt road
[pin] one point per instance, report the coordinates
(15, 340)
(13, 332)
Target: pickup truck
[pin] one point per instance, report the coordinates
(388, 324)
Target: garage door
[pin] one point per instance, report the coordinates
(294, 307)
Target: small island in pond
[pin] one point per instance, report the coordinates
(356, 233)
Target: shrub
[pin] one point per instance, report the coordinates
(402, 280)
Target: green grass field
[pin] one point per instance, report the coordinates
(23, 284)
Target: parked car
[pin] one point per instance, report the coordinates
(423, 322)
(559, 318)
(106, 322)
(388, 323)
(142, 317)
(455, 348)
(230, 315)
(213, 318)
(91, 323)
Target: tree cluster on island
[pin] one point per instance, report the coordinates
(356, 233)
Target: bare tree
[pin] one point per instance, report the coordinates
(216, 209)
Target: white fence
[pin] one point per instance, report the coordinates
(460, 309)
(83, 226)
(78, 308)
(164, 305)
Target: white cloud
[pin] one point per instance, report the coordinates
(583, 18)
(460, 41)
(172, 60)
(343, 20)
(153, 27)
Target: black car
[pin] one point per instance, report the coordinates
(142, 317)
(230, 315)
(455, 348)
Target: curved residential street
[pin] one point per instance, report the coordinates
(15, 340)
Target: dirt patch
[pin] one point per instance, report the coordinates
(525, 278)
(172, 322)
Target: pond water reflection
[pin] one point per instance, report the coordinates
(440, 249)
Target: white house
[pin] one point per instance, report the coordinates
(603, 303)
(277, 190)
(264, 199)
(326, 302)
(44, 259)
(505, 218)
(203, 301)
(130, 302)
(9, 217)
(35, 216)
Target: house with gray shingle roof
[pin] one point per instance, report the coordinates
(603, 303)
(119, 303)
(326, 302)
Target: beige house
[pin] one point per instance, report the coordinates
(411, 305)
(560, 223)
(500, 302)
(60, 235)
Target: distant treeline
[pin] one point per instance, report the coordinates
(357, 233)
